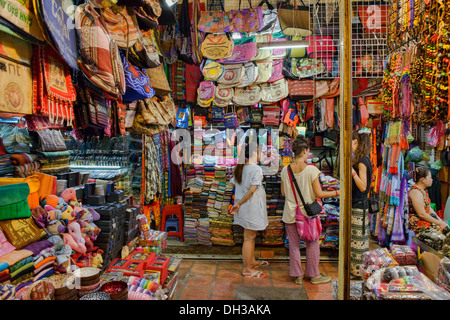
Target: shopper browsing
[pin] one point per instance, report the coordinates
(361, 181)
(250, 209)
(420, 212)
(307, 178)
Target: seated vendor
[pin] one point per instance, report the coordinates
(420, 212)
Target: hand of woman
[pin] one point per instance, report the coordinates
(235, 208)
(442, 224)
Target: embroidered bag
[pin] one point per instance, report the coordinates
(322, 89)
(99, 55)
(301, 89)
(120, 26)
(264, 71)
(206, 93)
(137, 82)
(242, 114)
(244, 50)
(230, 119)
(247, 96)
(232, 75)
(247, 20)
(250, 75)
(271, 23)
(214, 21)
(322, 48)
(256, 115)
(277, 70)
(274, 91)
(271, 115)
(306, 67)
(212, 70)
(224, 94)
(217, 47)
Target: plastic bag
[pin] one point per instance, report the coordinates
(15, 139)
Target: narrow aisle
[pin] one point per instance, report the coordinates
(222, 280)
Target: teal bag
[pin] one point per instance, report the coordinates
(14, 201)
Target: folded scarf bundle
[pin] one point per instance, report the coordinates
(19, 159)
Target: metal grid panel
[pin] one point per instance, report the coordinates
(369, 35)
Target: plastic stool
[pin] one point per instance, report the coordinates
(166, 220)
(172, 225)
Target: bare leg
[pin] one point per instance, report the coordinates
(248, 251)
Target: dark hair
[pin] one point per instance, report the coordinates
(364, 146)
(240, 166)
(299, 145)
(420, 173)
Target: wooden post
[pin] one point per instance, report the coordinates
(345, 116)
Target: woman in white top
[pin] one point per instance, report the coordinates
(307, 177)
(250, 210)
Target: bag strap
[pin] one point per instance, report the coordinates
(266, 2)
(294, 181)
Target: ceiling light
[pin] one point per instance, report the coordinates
(283, 44)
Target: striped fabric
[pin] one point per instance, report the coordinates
(120, 27)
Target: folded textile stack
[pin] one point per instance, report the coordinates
(188, 199)
(190, 231)
(221, 230)
(27, 169)
(220, 173)
(329, 182)
(195, 185)
(20, 266)
(54, 162)
(274, 199)
(210, 172)
(6, 166)
(203, 235)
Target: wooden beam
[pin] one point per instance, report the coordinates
(345, 116)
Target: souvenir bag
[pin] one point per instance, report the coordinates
(250, 75)
(158, 80)
(308, 228)
(247, 96)
(247, 20)
(120, 26)
(205, 93)
(296, 52)
(130, 113)
(53, 93)
(99, 58)
(301, 89)
(223, 96)
(232, 75)
(183, 115)
(322, 48)
(274, 91)
(244, 50)
(212, 70)
(167, 45)
(193, 76)
(306, 67)
(230, 119)
(216, 114)
(375, 105)
(216, 47)
(264, 71)
(138, 84)
(147, 12)
(262, 54)
(256, 115)
(214, 21)
(295, 19)
(277, 70)
(322, 89)
(271, 115)
(242, 114)
(271, 23)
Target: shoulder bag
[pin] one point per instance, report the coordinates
(247, 96)
(244, 50)
(214, 21)
(295, 19)
(232, 75)
(247, 20)
(274, 91)
(308, 228)
(217, 46)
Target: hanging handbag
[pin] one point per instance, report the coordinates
(205, 93)
(274, 91)
(301, 90)
(242, 114)
(230, 119)
(296, 52)
(322, 88)
(216, 47)
(212, 70)
(193, 76)
(322, 48)
(120, 26)
(232, 75)
(244, 50)
(295, 19)
(306, 67)
(214, 21)
(247, 20)
(264, 71)
(271, 23)
(250, 75)
(256, 115)
(277, 70)
(271, 115)
(95, 42)
(247, 96)
(183, 115)
(158, 80)
(138, 84)
(224, 94)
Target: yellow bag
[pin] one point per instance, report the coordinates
(21, 232)
(217, 47)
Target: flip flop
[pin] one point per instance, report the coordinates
(255, 274)
(261, 263)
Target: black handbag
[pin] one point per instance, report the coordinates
(312, 209)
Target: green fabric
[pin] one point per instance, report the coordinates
(14, 202)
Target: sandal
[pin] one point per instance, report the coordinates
(261, 263)
(256, 274)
